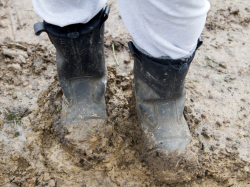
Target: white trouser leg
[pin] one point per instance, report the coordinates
(67, 12)
(165, 28)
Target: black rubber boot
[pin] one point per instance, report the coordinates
(160, 98)
(82, 75)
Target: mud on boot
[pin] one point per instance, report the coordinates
(82, 74)
(160, 99)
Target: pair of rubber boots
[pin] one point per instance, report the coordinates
(159, 86)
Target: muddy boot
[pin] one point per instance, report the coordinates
(160, 99)
(82, 75)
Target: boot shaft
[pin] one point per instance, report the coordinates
(165, 76)
(80, 47)
(80, 58)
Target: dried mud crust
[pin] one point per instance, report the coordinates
(176, 167)
(123, 144)
(223, 19)
(173, 167)
(49, 106)
(115, 146)
(20, 146)
(83, 143)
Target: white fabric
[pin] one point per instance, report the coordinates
(66, 12)
(162, 28)
(165, 27)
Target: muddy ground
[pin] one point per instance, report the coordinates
(217, 106)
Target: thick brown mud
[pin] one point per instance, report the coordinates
(35, 151)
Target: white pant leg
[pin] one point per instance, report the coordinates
(165, 28)
(67, 12)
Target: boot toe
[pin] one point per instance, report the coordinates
(173, 144)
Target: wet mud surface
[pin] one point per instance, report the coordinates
(33, 148)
